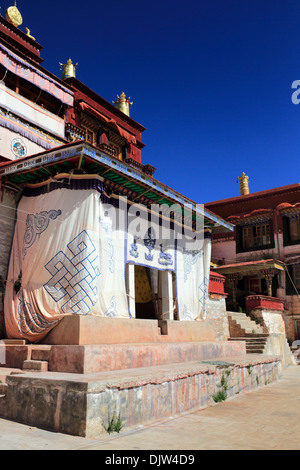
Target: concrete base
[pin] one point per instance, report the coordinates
(81, 404)
(80, 330)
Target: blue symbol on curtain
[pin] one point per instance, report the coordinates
(107, 226)
(112, 310)
(149, 243)
(164, 258)
(134, 250)
(203, 293)
(190, 258)
(35, 225)
(74, 278)
(186, 315)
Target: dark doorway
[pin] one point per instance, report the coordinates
(144, 296)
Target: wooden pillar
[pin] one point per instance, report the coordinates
(269, 280)
(233, 279)
(130, 284)
(268, 275)
(167, 295)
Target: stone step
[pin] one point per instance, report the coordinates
(41, 366)
(255, 346)
(41, 353)
(249, 339)
(14, 341)
(244, 321)
(256, 351)
(255, 343)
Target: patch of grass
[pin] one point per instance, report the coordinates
(220, 396)
(114, 423)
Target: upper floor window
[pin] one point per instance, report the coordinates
(291, 230)
(254, 237)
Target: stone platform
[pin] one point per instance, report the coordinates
(87, 359)
(144, 370)
(82, 330)
(80, 404)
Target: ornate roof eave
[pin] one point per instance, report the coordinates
(81, 156)
(251, 217)
(288, 209)
(251, 267)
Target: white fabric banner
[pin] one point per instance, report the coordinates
(192, 277)
(68, 262)
(66, 259)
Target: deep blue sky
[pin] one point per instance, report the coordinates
(210, 80)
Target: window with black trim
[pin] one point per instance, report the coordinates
(255, 237)
(291, 230)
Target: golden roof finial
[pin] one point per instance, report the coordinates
(69, 69)
(14, 16)
(28, 33)
(123, 103)
(244, 184)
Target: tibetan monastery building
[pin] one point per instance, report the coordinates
(86, 229)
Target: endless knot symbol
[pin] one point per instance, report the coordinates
(74, 280)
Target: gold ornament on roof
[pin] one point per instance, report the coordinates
(69, 69)
(244, 184)
(14, 16)
(123, 103)
(28, 34)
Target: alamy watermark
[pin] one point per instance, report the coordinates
(296, 93)
(175, 222)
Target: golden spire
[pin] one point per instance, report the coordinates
(14, 16)
(69, 69)
(123, 103)
(244, 184)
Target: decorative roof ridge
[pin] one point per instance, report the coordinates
(255, 212)
(287, 205)
(256, 195)
(20, 33)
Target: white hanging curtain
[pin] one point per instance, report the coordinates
(67, 260)
(192, 275)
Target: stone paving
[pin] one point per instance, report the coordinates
(267, 418)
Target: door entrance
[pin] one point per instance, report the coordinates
(145, 298)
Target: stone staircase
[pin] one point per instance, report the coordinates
(242, 328)
(39, 359)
